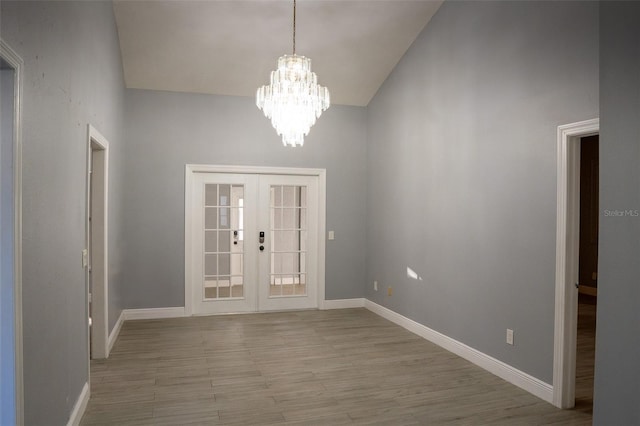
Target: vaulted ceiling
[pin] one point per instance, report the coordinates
(230, 47)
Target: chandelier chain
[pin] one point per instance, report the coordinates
(294, 27)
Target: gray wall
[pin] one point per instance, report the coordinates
(7, 313)
(459, 143)
(73, 76)
(166, 130)
(462, 147)
(617, 383)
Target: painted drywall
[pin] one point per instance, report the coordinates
(462, 146)
(72, 77)
(7, 313)
(167, 130)
(617, 370)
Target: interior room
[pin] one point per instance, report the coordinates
(456, 240)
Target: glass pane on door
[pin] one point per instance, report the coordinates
(288, 218)
(223, 241)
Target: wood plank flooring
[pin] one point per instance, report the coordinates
(585, 353)
(337, 367)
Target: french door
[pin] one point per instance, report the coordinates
(254, 242)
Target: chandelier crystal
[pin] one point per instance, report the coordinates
(294, 99)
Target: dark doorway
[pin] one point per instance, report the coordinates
(589, 215)
(588, 272)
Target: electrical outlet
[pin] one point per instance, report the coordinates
(375, 285)
(509, 336)
(389, 291)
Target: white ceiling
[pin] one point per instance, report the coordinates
(230, 47)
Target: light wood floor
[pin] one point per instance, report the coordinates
(333, 367)
(585, 353)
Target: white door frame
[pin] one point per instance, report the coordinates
(98, 246)
(191, 169)
(567, 254)
(13, 59)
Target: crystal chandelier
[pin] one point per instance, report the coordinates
(294, 99)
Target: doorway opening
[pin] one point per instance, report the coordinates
(588, 272)
(11, 379)
(576, 250)
(95, 256)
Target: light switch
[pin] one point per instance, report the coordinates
(509, 336)
(85, 258)
(332, 235)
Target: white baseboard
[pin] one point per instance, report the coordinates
(113, 336)
(343, 303)
(158, 313)
(80, 407)
(152, 313)
(512, 375)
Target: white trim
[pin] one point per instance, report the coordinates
(13, 59)
(322, 234)
(188, 243)
(256, 170)
(80, 406)
(343, 303)
(519, 378)
(191, 169)
(152, 313)
(113, 336)
(567, 253)
(100, 259)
